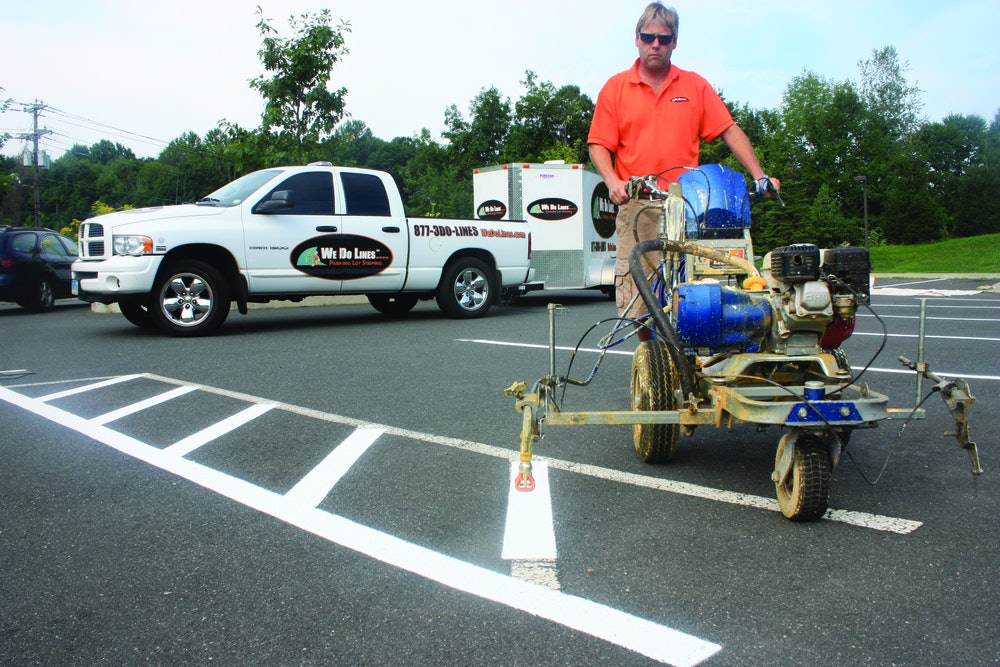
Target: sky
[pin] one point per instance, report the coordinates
(144, 73)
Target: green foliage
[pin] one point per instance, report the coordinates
(97, 208)
(299, 109)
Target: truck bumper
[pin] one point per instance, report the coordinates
(108, 280)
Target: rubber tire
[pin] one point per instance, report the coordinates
(209, 300)
(138, 314)
(805, 494)
(42, 298)
(392, 304)
(468, 289)
(654, 378)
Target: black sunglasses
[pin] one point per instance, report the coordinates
(650, 37)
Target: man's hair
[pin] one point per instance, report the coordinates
(655, 11)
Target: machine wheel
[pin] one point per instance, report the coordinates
(138, 314)
(654, 378)
(805, 493)
(41, 298)
(467, 289)
(190, 298)
(392, 304)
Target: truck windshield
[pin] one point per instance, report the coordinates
(235, 193)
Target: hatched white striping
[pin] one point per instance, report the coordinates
(314, 487)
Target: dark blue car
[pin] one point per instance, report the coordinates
(35, 267)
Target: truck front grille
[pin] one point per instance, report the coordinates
(92, 242)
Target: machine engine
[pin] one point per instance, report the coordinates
(809, 304)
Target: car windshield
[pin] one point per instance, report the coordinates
(235, 193)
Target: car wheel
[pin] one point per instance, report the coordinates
(467, 289)
(138, 314)
(41, 298)
(190, 298)
(392, 304)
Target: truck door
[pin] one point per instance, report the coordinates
(292, 235)
(375, 238)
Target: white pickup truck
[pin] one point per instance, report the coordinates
(288, 233)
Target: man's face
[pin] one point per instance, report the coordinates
(656, 55)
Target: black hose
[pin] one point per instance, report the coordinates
(684, 372)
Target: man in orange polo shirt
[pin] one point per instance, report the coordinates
(648, 120)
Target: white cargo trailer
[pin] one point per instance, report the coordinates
(571, 217)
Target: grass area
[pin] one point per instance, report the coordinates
(976, 254)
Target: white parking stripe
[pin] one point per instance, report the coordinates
(90, 387)
(314, 487)
(636, 634)
(877, 522)
(529, 538)
(192, 442)
(142, 405)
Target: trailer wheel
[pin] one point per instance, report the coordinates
(190, 298)
(654, 378)
(467, 289)
(392, 304)
(804, 495)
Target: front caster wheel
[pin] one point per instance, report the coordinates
(803, 490)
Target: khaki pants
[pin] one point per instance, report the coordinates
(649, 222)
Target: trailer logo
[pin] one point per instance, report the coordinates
(493, 209)
(603, 211)
(552, 209)
(341, 257)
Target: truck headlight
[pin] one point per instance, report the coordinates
(133, 245)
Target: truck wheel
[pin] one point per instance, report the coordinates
(137, 314)
(392, 304)
(654, 378)
(41, 297)
(190, 298)
(467, 289)
(805, 493)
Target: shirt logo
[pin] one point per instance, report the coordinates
(680, 99)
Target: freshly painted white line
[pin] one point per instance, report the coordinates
(511, 454)
(192, 442)
(896, 335)
(90, 387)
(142, 405)
(947, 374)
(862, 519)
(528, 533)
(314, 487)
(612, 625)
(929, 317)
(529, 538)
(878, 522)
(944, 306)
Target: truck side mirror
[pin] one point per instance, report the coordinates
(279, 200)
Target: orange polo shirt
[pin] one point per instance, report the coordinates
(650, 132)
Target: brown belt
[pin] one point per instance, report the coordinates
(646, 195)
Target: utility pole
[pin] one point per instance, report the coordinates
(35, 109)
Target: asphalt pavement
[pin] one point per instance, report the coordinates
(327, 485)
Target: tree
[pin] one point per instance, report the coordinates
(298, 104)
(549, 123)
